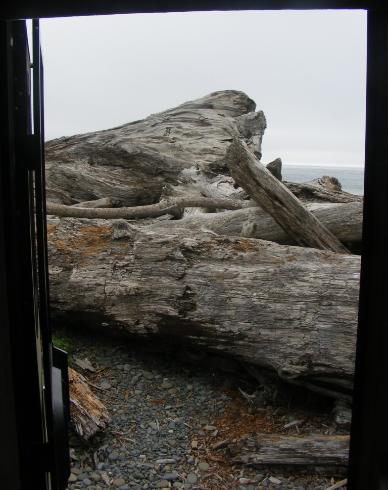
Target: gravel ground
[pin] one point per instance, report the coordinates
(167, 416)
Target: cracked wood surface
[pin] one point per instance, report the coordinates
(289, 309)
(175, 153)
(306, 450)
(88, 414)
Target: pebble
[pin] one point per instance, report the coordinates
(105, 385)
(170, 476)
(274, 481)
(119, 482)
(192, 478)
(166, 385)
(165, 412)
(163, 484)
(245, 481)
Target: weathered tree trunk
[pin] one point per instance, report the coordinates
(275, 449)
(289, 309)
(343, 220)
(170, 206)
(274, 197)
(88, 414)
(175, 153)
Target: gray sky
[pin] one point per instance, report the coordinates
(304, 69)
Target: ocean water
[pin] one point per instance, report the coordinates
(351, 178)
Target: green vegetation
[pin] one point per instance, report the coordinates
(64, 342)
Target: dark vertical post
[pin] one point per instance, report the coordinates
(9, 448)
(368, 466)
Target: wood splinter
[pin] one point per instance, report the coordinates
(88, 414)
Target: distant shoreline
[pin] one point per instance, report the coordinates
(351, 177)
(320, 165)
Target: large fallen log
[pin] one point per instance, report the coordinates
(280, 203)
(343, 220)
(288, 309)
(175, 153)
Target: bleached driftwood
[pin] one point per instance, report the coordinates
(288, 309)
(274, 197)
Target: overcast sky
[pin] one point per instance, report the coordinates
(305, 70)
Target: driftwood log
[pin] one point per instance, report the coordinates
(205, 279)
(87, 413)
(176, 153)
(169, 206)
(289, 309)
(284, 450)
(343, 220)
(280, 203)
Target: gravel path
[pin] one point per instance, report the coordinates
(168, 418)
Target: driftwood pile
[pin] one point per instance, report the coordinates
(171, 230)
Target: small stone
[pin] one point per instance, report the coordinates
(105, 385)
(194, 444)
(192, 478)
(274, 481)
(203, 466)
(76, 470)
(72, 478)
(118, 482)
(163, 484)
(210, 427)
(86, 481)
(84, 364)
(166, 385)
(342, 414)
(171, 476)
(95, 476)
(166, 461)
(244, 481)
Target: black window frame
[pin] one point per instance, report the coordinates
(368, 464)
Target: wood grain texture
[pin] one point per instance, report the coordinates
(168, 206)
(289, 309)
(307, 450)
(87, 413)
(174, 153)
(344, 220)
(270, 194)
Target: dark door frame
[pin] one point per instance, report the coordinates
(368, 467)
